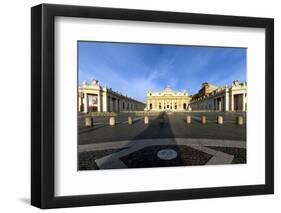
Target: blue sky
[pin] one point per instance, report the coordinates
(133, 69)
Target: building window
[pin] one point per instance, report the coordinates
(184, 106)
(150, 106)
(123, 105)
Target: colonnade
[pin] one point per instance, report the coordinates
(108, 103)
(233, 101)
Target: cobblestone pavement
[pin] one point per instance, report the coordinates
(145, 153)
(137, 145)
(170, 126)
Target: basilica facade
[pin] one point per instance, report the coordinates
(167, 100)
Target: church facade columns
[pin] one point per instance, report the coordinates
(167, 99)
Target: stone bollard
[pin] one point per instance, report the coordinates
(130, 120)
(203, 119)
(188, 119)
(112, 121)
(220, 119)
(240, 120)
(88, 121)
(146, 120)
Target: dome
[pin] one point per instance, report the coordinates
(168, 89)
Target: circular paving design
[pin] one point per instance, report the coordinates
(148, 157)
(167, 154)
(162, 152)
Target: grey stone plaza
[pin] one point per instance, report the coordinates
(166, 140)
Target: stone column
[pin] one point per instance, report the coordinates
(110, 104)
(116, 105)
(119, 105)
(220, 104)
(157, 105)
(104, 102)
(79, 103)
(148, 105)
(182, 104)
(244, 102)
(232, 102)
(85, 103)
(226, 101)
(99, 104)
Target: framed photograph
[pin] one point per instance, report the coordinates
(139, 106)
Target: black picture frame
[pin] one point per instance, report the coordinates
(43, 111)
